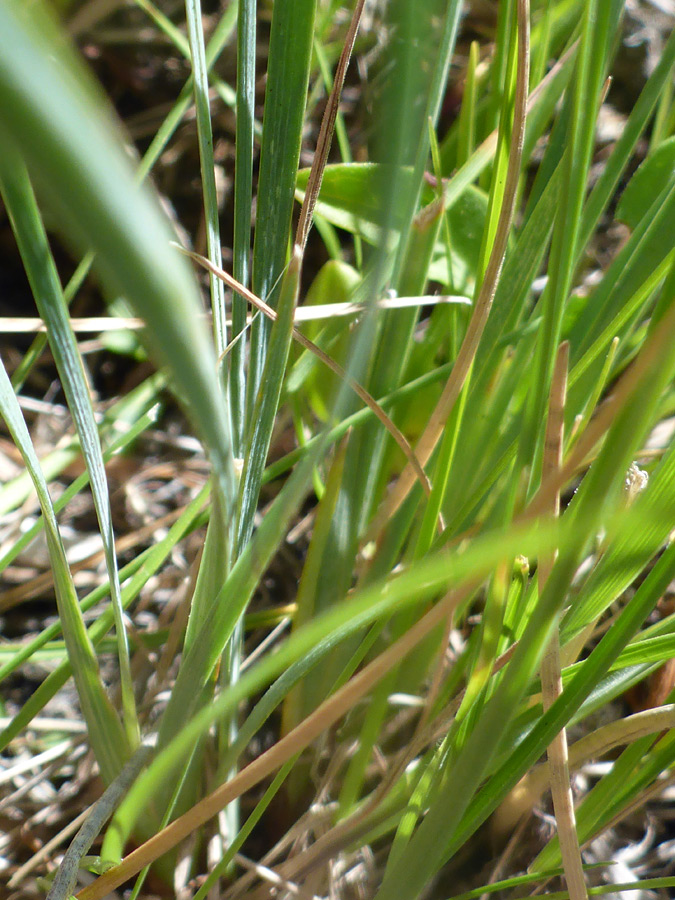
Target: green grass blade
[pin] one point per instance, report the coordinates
(413, 868)
(44, 280)
(205, 135)
(214, 48)
(122, 414)
(71, 491)
(243, 195)
(139, 572)
(367, 606)
(616, 164)
(106, 735)
(467, 116)
(647, 248)
(597, 22)
(411, 587)
(48, 102)
(290, 52)
(267, 400)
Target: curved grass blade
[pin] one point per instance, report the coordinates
(46, 286)
(106, 735)
(48, 102)
(139, 572)
(66, 875)
(26, 651)
(410, 587)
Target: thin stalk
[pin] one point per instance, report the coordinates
(325, 138)
(304, 341)
(243, 194)
(551, 678)
(205, 136)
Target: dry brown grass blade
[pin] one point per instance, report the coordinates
(326, 132)
(486, 294)
(551, 677)
(329, 712)
(327, 360)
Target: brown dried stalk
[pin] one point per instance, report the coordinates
(326, 132)
(551, 677)
(327, 360)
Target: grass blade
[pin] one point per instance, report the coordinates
(48, 102)
(46, 286)
(106, 735)
(285, 98)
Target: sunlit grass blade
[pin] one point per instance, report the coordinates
(413, 681)
(297, 704)
(66, 875)
(26, 651)
(106, 735)
(639, 116)
(121, 415)
(469, 767)
(214, 48)
(205, 135)
(485, 294)
(246, 829)
(221, 536)
(498, 195)
(243, 197)
(348, 383)
(625, 555)
(610, 645)
(267, 400)
(326, 130)
(644, 252)
(138, 574)
(45, 283)
(402, 144)
(409, 588)
(599, 20)
(551, 678)
(467, 116)
(33, 354)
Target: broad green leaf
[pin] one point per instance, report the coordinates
(349, 199)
